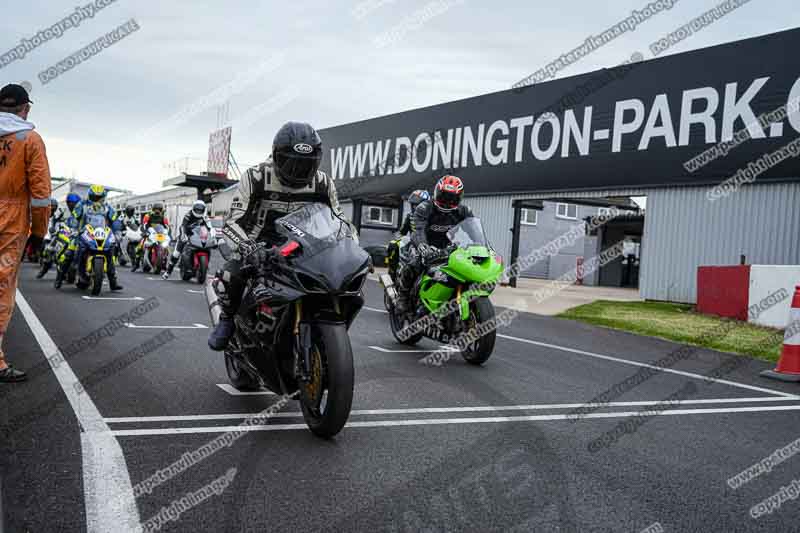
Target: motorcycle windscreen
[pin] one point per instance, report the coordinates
(96, 220)
(315, 227)
(200, 237)
(327, 242)
(468, 233)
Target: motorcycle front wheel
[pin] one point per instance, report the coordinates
(96, 281)
(202, 269)
(327, 399)
(398, 324)
(478, 352)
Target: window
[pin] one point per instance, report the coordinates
(604, 212)
(379, 215)
(529, 217)
(568, 211)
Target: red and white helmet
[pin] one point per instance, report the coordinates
(448, 192)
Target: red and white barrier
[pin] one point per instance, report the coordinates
(788, 368)
(756, 293)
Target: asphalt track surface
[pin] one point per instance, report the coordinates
(450, 448)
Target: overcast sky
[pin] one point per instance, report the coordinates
(104, 120)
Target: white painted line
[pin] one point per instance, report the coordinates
(661, 369)
(230, 389)
(444, 348)
(194, 291)
(426, 410)
(444, 421)
(107, 488)
(137, 298)
(375, 310)
(162, 279)
(193, 326)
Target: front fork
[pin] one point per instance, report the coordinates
(302, 339)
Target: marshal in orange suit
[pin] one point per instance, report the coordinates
(24, 201)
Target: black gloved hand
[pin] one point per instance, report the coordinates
(254, 253)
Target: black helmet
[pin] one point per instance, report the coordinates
(129, 210)
(53, 204)
(296, 154)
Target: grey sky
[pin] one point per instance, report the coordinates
(185, 50)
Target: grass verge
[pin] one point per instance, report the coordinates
(679, 323)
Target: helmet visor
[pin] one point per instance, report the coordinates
(447, 200)
(296, 171)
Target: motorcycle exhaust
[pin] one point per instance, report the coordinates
(212, 298)
(388, 286)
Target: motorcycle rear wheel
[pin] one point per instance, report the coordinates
(326, 401)
(96, 282)
(479, 351)
(237, 375)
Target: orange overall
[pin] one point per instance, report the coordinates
(24, 208)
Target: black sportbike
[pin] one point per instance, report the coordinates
(291, 328)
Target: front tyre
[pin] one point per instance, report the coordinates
(326, 400)
(398, 324)
(98, 273)
(479, 351)
(202, 269)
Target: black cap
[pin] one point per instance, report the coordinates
(14, 95)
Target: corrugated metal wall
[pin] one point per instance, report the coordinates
(683, 230)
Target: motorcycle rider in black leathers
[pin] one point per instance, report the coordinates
(289, 180)
(432, 220)
(192, 219)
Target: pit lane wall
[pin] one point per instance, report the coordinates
(730, 291)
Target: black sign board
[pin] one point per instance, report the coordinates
(642, 124)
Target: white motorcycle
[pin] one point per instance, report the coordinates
(130, 239)
(156, 249)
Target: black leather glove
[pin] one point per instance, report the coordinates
(254, 253)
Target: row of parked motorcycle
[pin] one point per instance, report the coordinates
(148, 252)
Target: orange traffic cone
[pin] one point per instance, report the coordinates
(788, 368)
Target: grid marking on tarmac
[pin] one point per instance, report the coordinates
(654, 367)
(429, 410)
(107, 488)
(445, 421)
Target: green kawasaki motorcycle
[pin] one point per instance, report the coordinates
(451, 298)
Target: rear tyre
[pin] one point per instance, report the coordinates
(327, 399)
(186, 275)
(202, 269)
(238, 376)
(96, 281)
(479, 351)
